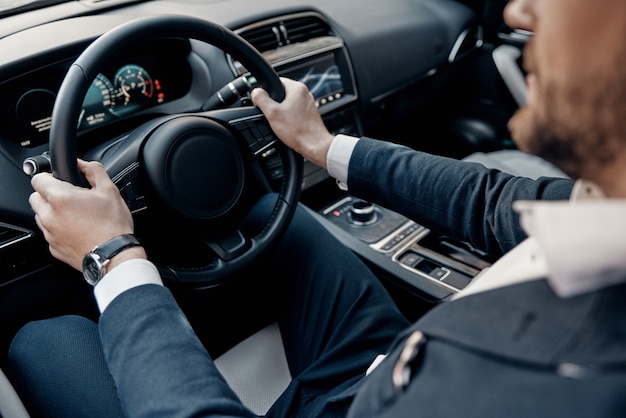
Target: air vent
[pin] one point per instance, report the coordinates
(276, 33)
(20, 255)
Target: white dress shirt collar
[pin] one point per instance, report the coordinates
(577, 245)
(582, 240)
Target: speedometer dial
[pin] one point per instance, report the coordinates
(134, 87)
(99, 103)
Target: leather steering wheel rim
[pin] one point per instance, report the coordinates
(63, 132)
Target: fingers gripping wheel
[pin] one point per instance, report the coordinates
(193, 164)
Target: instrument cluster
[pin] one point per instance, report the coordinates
(131, 89)
(125, 88)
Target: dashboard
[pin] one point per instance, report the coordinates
(356, 64)
(410, 73)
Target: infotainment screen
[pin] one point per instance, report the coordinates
(321, 75)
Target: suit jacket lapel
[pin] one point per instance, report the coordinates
(528, 322)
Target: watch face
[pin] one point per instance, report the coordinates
(92, 268)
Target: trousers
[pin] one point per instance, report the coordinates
(334, 314)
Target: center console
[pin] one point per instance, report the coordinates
(439, 261)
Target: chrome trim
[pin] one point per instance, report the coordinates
(430, 279)
(456, 52)
(125, 171)
(416, 235)
(446, 262)
(26, 234)
(435, 256)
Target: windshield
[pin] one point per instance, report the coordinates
(15, 6)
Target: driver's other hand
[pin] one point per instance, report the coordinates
(75, 219)
(296, 120)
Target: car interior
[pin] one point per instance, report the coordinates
(101, 79)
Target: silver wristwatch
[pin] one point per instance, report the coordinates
(95, 262)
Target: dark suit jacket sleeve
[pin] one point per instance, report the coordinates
(158, 364)
(460, 199)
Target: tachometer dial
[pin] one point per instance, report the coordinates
(134, 87)
(99, 103)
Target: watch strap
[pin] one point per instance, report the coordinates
(116, 245)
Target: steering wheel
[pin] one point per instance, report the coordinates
(190, 170)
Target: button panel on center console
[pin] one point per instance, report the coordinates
(401, 240)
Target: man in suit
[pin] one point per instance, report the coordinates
(541, 333)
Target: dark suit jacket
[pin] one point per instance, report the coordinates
(161, 369)
(465, 200)
(159, 366)
(518, 351)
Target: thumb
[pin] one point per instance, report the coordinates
(261, 98)
(94, 172)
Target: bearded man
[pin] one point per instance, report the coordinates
(540, 333)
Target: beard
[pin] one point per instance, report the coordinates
(580, 127)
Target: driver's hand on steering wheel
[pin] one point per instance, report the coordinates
(296, 120)
(76, 219)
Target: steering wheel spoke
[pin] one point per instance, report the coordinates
(227, 243)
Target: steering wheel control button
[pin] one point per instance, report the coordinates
(257, 134)
(131, 191)
(37, 164)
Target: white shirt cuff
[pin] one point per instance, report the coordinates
(125, 276)
(338, 158)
